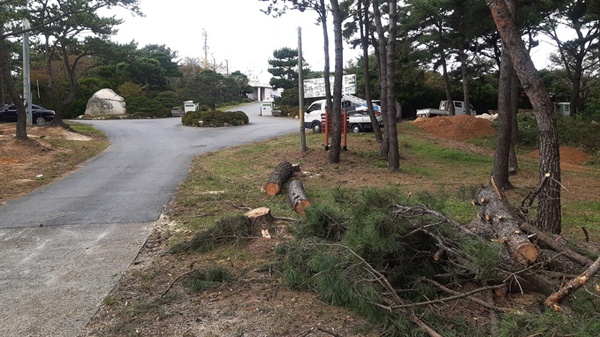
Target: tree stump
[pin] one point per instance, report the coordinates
(298, 197)
(278, 177)
(261, 219)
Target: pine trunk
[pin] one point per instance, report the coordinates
(496, 211)
(278, 177)
(298, 198)
(500, 169)
(549, 211)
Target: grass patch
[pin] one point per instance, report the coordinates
(208, 279)
(87, 129)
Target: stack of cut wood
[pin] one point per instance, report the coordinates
(275, 183)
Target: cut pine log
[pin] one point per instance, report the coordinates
(549, 242)
(505, 225)
(298, 197)
(278, 177)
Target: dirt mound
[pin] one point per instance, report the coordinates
(568, 154)
(459, 128)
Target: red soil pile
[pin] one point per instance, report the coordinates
(568, 154)
(459, 128)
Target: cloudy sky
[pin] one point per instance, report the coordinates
(238, 32)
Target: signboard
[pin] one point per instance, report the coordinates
(315, 87)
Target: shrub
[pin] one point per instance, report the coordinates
(215, 118)
(578, 131)
(143, 107)
(191, 118)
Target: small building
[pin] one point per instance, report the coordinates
(564, 108)
(262, 92)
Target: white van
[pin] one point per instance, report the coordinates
(358, 116)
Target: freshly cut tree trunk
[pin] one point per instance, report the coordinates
(278, 177)
(548, 241)
(505, 225)
(298, 197)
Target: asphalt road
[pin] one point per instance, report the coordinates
(64, 246)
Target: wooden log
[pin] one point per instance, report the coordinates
(505, 224)
(298, 197)
(278, 177)
(549, 242)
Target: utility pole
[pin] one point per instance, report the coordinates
(205, 34)
(26, 72)
(303, 147)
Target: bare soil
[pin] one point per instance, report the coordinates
(26, 165)
(151, 299)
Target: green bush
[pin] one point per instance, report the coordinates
(224, 118)
(579, 131)
(191, 118)
(215, 118)
(144, 107)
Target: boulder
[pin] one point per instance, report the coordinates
(105, 102)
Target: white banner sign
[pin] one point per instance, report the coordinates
(315, 87)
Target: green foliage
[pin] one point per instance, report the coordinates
(323, 221)
(432, 200)
(224, 118)
(293, 257)
(75, 109)
(488, 258)
(209, 88)
(209, 278)
(580, 323)
(168, 99)
(143, 107)
(579, 132)
(192, 118)
(288, 100)
(215, 118)
(229, 230)
(332, 272)
(129, 90)
(283, 67)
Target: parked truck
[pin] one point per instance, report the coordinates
(444, 110)
(358, 116)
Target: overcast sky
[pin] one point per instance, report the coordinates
(237, 32)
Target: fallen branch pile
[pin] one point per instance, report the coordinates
(420, 251)
(496, 254)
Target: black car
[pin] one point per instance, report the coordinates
(40, 115)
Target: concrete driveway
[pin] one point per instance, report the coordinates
(64, 246)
